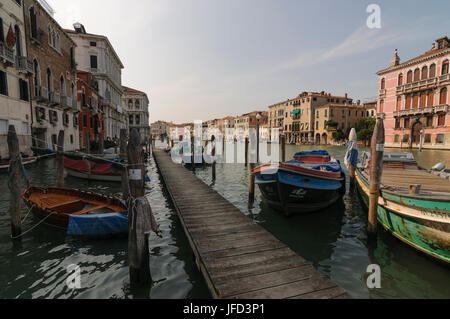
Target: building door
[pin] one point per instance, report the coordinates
(317, 142)
(416, 129)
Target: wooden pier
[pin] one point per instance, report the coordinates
(238, 258)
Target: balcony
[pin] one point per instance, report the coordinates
(41, 93)
(382, 92)
(444, 78)
(24, 65)
(54, 98)
(417, 85)
(6, 54)
(74, 105)
(65, 102)
(422, 111)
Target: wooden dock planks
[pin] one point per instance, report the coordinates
(237, 257)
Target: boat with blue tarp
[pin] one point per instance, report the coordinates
(310, 182)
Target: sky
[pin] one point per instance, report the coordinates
(207, 59)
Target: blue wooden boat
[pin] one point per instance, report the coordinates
(414, 205)
(302, 186)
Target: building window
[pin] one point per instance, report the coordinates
(91, 122)
(85, 121)
(416, 75)
(432, 71)
(23, 89)
(18, 36)
(33, 23)
(440, 139)
(397, 124)
(2, 34)
(405, 138)
(441, 119)
(94, 64)
(381, 106)
(400, 79)
(397, 139)
(423, 99)
(429, 121)
(427, 138)
(424, 73)
(415, 101)
(430, 98)
(383, 84)
(406, 123)
(408, 102)
(445, 67)
(409, 77)
(71, 138)
(3, 83)
(399, 103)
(93, 44)
(443, 96)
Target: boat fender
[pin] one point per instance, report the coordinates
(438, 167)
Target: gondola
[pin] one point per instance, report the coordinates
(309, 183)
(81, 213)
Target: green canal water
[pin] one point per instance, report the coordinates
(334, 241)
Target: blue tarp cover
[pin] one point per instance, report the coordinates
(313, 153)
(98, 224)
(308, 182)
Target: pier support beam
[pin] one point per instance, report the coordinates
(376, 171)
(246, 151)
(283, 148)
(139, 259)
(60, 160)
(213, 155)
(14, 183)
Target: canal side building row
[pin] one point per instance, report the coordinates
(52, 79)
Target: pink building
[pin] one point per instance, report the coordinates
(414, 98)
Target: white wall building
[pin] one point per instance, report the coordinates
(15, 68)
(136, 104)
(95, 53)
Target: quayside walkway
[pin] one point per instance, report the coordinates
(238, 258)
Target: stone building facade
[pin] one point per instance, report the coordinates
(94, 53)
(414, 98)
(53, 85)
(15, 70)
(137, 108)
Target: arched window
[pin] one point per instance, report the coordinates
(137, 104)
(381, 106)
(445, 67)
(399, 103)
(408, 102)
(36, 78)
(130, 104)
(400, 79)
(409, 77)
(430, 98)
(33, 23)
(424, 73)
(49, 80)
(83, 97)
(416, 75)
(415, 101)
(423, 99)
(50, 35)
(432, 71)
(62, 86)
(443, 96)
(18, 36)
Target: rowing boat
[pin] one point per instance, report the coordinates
(81, 213)
(4, 165)
(414, 205)
(90, 170)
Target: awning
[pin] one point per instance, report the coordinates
(295, 112)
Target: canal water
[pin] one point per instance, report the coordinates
(334, 241)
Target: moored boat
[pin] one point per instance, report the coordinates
(414, 205)
(79, 212)
(302, 186)
(90, 170)
(4, 165)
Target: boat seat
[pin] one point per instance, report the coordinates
(64, 204)
(83, 212)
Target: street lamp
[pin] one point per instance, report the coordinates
(258, 118)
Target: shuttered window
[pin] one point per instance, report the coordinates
(3, 83)
(23, 88)
(2, 35)
(430, 98)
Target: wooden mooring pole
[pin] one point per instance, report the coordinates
(246, 151)
(251, 185)
(123, 155)
(87, 141)
(60, 160)
(193, 152)
(14, 183)
(213, 155)
(283, 148)
(101, 145)
(376, 171)
(138, 248)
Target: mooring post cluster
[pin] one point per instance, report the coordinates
(14, 183)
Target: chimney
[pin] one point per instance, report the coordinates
(433, 47)
(395, 59)
(346, 95)
(358, 102)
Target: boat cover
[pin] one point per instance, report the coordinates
(312, 153)
(98, 224)
(80, 165)
(329, 167)
(308, 182)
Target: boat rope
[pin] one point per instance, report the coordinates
(34, 227)
(29, 211)
(16, 160)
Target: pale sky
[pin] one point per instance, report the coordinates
(206, 59)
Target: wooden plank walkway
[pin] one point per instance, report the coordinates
(238, 258)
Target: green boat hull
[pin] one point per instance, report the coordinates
(424, 232)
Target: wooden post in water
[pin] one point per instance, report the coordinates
(213, 155)
(123, 155)
(87, 141)
(14, 184)
(251, 185)
(60, 160)
(353, 140)
(376, 171)
(283, 148)
(246, 151)
(139, 259)
(101, 144)
(193, 152)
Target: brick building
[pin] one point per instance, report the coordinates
(90, 118)
(413, 96)
(53, 84)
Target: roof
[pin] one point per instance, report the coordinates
(130, 90)
(75, 33)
